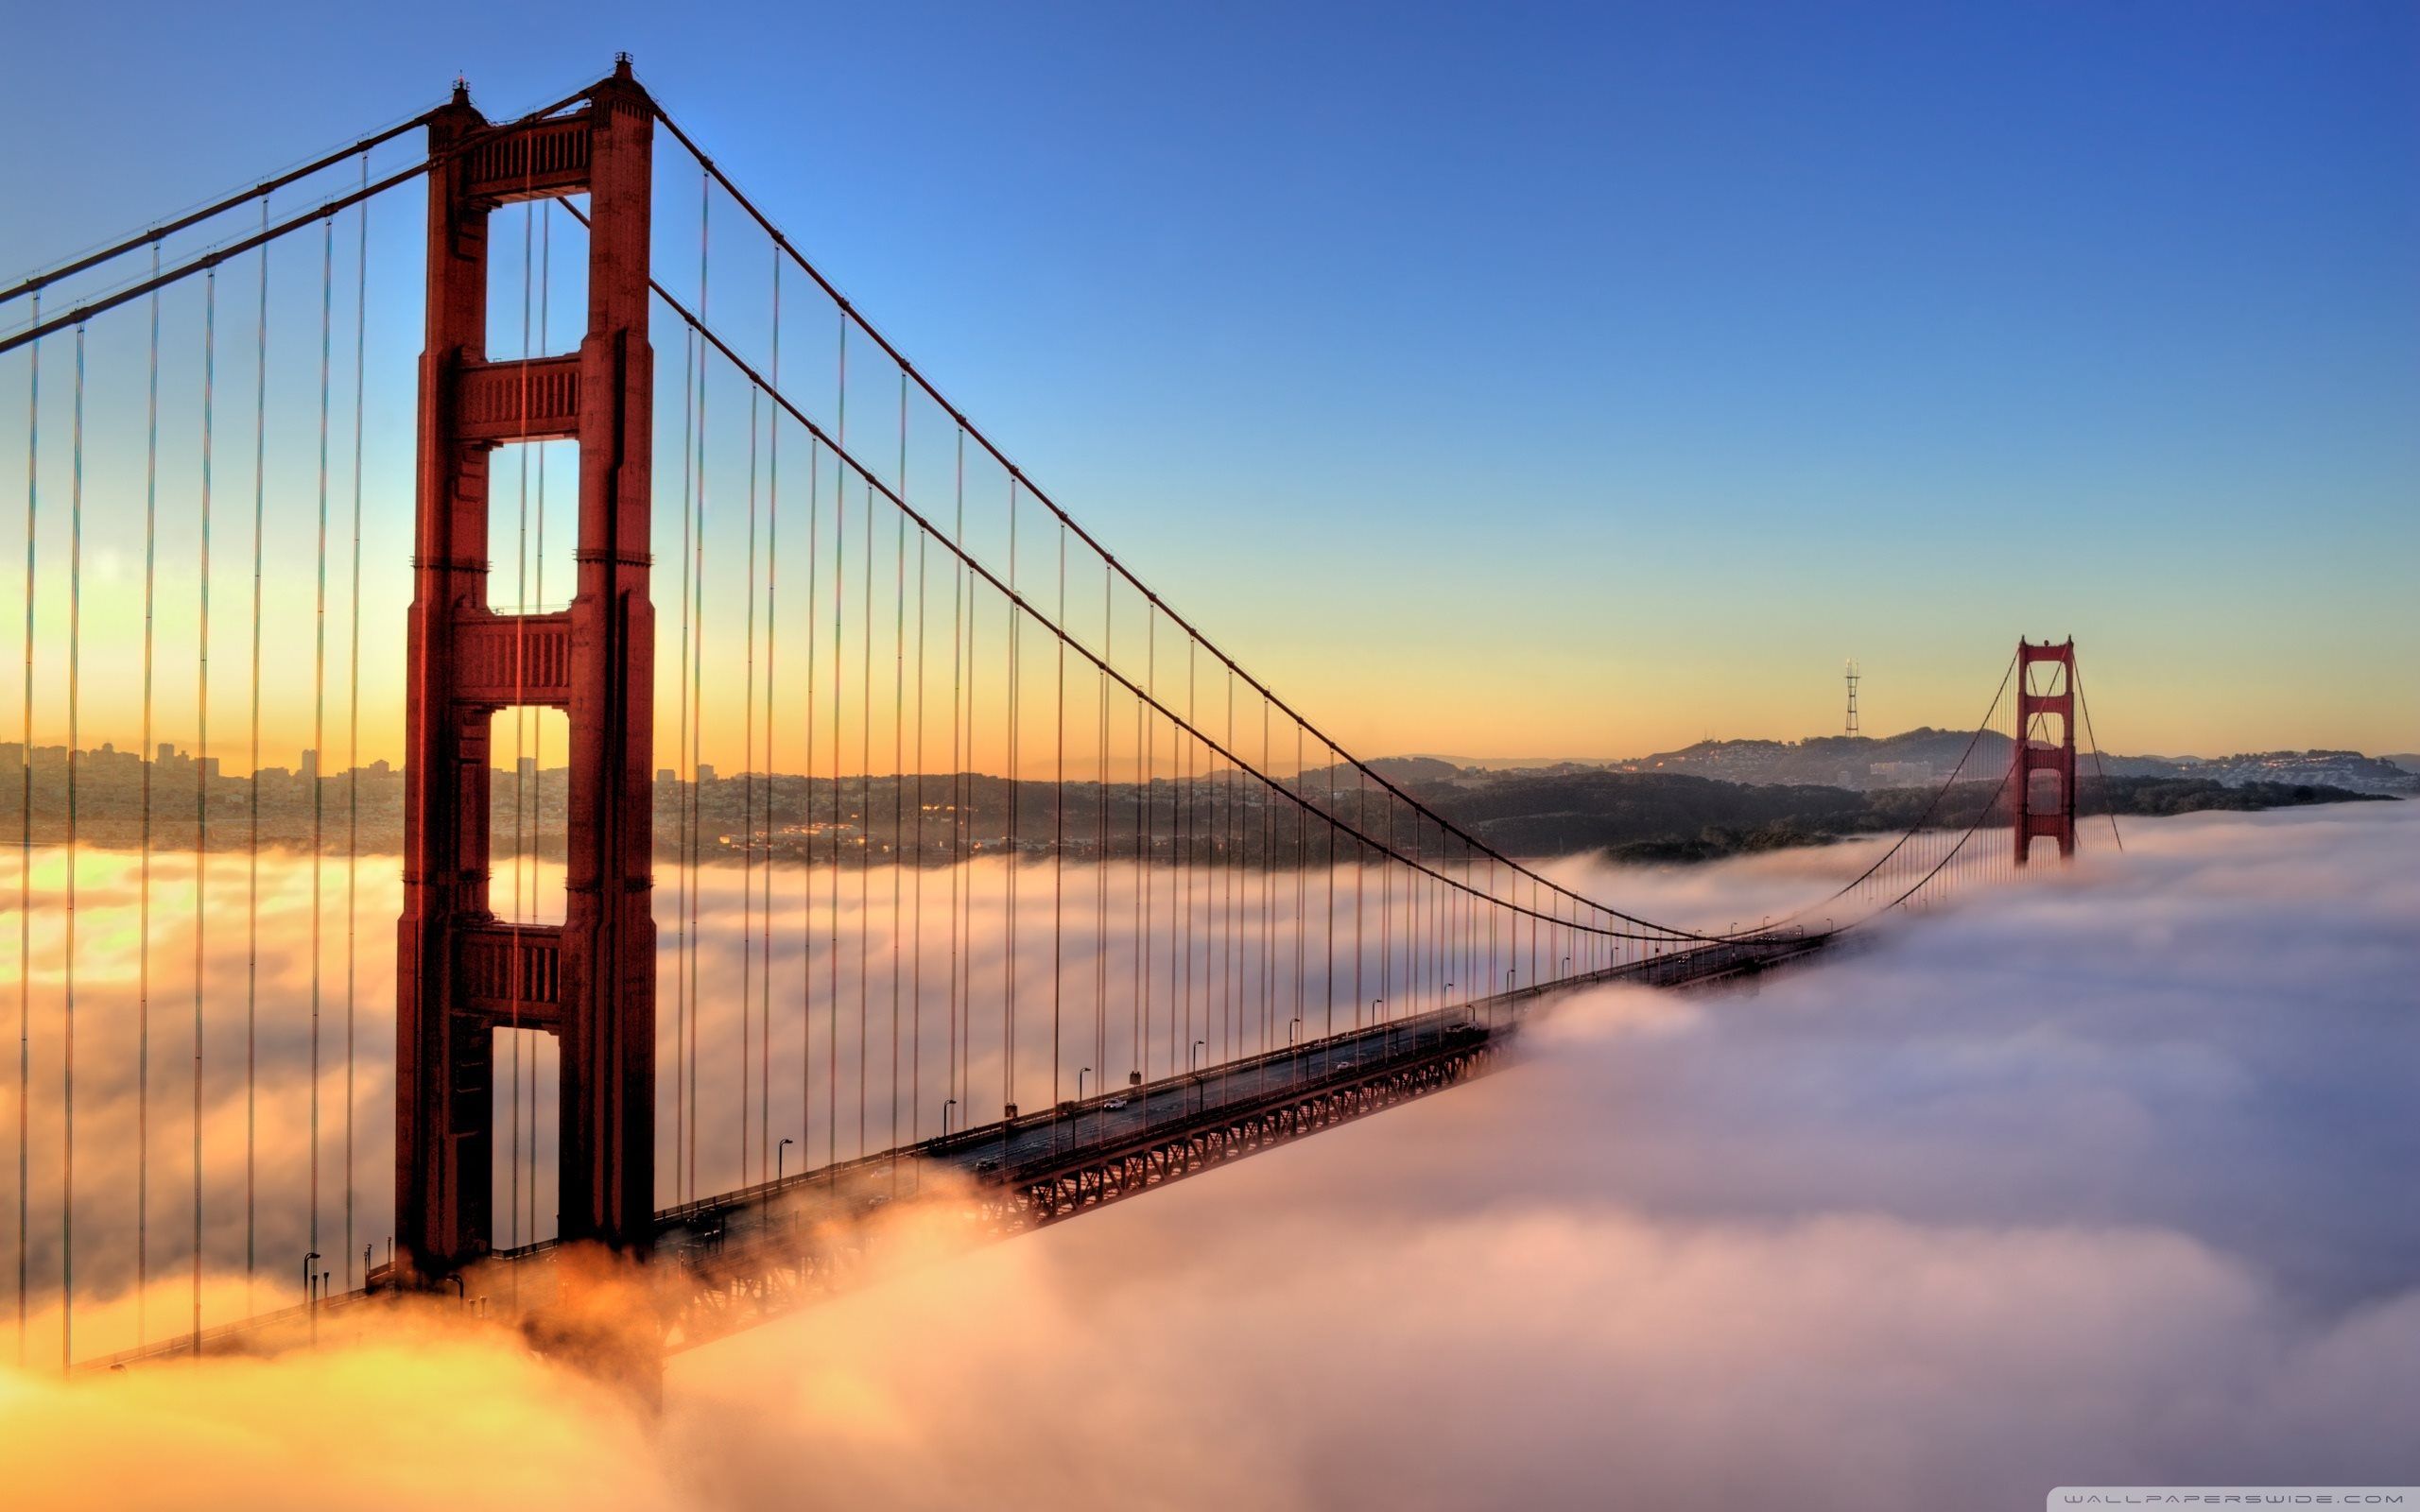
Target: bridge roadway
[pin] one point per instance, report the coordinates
(744, 1258)
(726, 1262)
(1006, 1152)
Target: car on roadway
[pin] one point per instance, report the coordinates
(1114, 1104)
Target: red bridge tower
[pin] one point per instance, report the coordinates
(2044, 779)
(459, 972)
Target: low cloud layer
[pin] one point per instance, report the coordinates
(2101, 1179)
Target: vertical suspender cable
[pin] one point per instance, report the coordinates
(1387, 917)
(26, 829)
(1267, 891)
(684, 1163)
(956, 776)
(1059, 833)
(865, 821)
(519, 735)
(1230, 1004)
(832, 945)
(807, 882)
(537, 603)
(143, 926)
(1101, 845)
(1330, 816)
(772, 544)
(1146, 820)
(201, 762)
(67, 1042)
(1008, 998)
(353, 707)
(916, 976)
(966, 788)
(696, 732)
(252, 864)
(319, 696)
(806, 787)
(748, 799)
(1008, 993)
(1361, 874)
(898, 774)
(1139, 1061)
(1184, 820)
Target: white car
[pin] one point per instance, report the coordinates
(1114, 1104)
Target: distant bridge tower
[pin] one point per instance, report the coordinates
(1852, 677)
(462, 973)
(2043, 784)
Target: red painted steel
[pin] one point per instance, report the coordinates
(2052, 815)
(459, 973)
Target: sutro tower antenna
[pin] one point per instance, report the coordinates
(1852, 677)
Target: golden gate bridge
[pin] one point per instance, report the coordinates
(1042, 897)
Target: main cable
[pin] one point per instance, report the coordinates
(1018, 478)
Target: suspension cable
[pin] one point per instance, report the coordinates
(1025, 609)
(203, 261)
(1923, 818)
(2100, 772)
(153, 235)
(851, 316)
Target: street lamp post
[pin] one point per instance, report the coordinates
(779, 1151)
(945, 1109)
(1192, 1064)
(309, 1303)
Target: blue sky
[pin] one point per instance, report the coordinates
(1541, 381)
